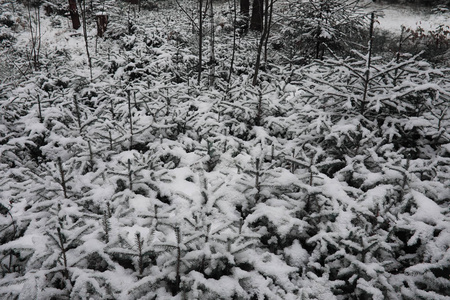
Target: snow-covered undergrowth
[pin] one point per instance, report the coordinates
(324, 181)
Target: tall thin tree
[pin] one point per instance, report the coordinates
(368, 64)
(233, 54)
(212, 58)
(83, 13)
(268, 5)
(35, 17)
(200, 40)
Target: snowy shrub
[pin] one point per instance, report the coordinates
(325, 181)
(314, 27)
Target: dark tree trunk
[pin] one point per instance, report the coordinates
(256, 22)
(233, 54)
(102, 23)
(74, 14)
(245, 7)
(200, 41)
(212, 57)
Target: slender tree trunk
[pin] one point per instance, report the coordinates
(77, 113)
(74, 14)
(256, 22)
(234, 43)
(212, 58)
(62, 177)
(41, 119)
(398, 55)
(130, 175)
(63, 251)
(368, 65)
(35, 37)
(38, 38)
(140, 243)
(261, 41)
(130, 117)
(178, 263)
(266, 42)
(200, 41)
(83, 12)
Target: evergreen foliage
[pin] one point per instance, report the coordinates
(326, 180)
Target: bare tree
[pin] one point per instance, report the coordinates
(34, 21)
(199, 28)
(83, 13)
(268, 7)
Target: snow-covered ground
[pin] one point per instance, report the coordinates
(323, 181)
(391, 17)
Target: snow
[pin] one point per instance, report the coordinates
(427, 210)
(271, 266)
(226, 287)
(278, 216)
(130, 233)
(392, 17)
(296, 255)
(368, 287)
(375, 197)
(102, 193)
(31, 242)
(141, 204)
(345, 194)
(416, 122)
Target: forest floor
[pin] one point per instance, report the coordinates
(140, 178)
(393, 16)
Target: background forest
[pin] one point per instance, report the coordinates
(270, 149)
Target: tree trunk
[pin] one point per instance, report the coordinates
(102, 23)
(200, 41)
(83, 12)
(269, 26)
(35, 35)
(264, 36)
(212, 58)
(245, 7)
(234, 43)
(368, 65)
(256, 22)
(74, 14)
